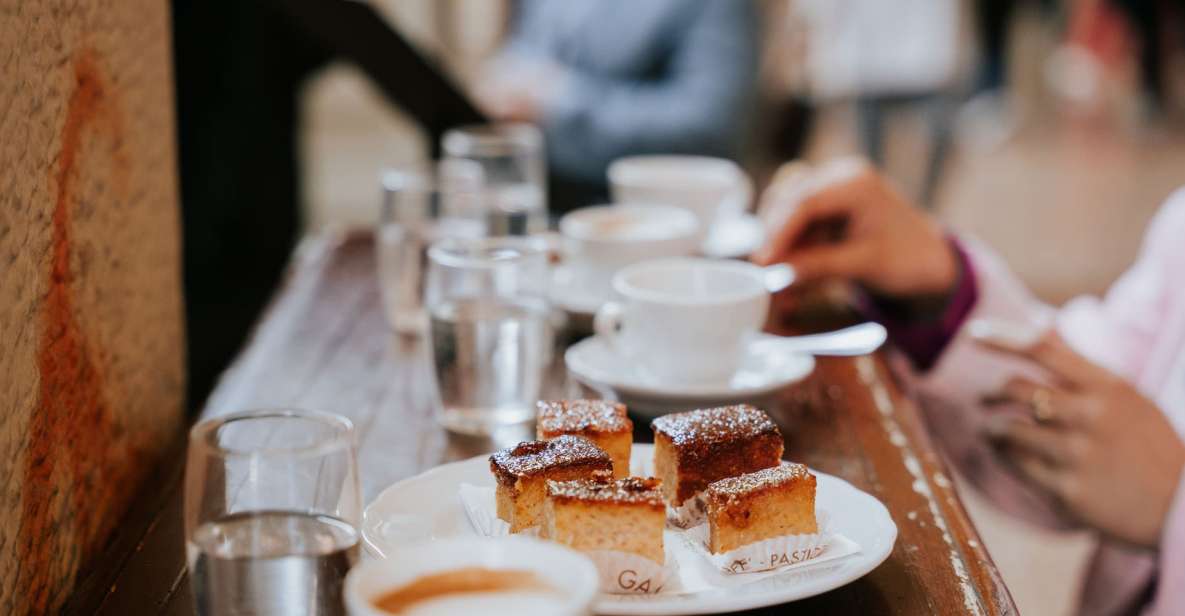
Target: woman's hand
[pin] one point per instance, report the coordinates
(844, 220)
(1104, 450)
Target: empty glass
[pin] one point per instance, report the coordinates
(419, 207)
(272, 507)
(491, 328)
(513, 161)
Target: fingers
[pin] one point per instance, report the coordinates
(846, 260)
(1058, 404)
(829, 193)
(1038, 471)
(1052, 353)
(1024, 439)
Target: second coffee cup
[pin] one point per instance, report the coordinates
(685, 320)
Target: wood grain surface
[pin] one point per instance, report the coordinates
(91, 371)
(324, 344)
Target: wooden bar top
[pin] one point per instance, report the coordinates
(324, 344)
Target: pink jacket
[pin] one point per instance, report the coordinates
(1137, 330)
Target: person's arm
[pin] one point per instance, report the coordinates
(1116, 332)
(699, 106)
(355, 32)
(922, 329)
(890, 248)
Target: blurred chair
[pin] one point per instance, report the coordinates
(887, 55)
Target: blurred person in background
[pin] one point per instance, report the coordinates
(240, 69)
(611, 78)
(1069, 416)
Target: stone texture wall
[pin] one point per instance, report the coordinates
(91, 338)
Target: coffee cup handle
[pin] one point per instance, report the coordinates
(607, 323)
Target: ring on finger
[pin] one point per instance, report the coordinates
(1041, 402)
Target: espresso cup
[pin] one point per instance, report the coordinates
(710, 188)
(570, 577)
(684, 320)
(602, 239)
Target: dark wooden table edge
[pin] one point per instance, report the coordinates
(98, 587)
(162, 486)
(965, 534)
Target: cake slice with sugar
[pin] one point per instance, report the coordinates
(696, 448)
(756, 506)
(626, 515)
(604, 423)
(522, 473)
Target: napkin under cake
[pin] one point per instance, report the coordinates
(625, 515)
(755, 506)
(522, 473)
(604, 423)
(696, 448)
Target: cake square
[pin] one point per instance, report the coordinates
(522, 473)
(604, 423)
(626, 515)
(693, 449)
(755, 506)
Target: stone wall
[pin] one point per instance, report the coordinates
(91, 338)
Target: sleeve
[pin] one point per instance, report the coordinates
(923, 338)
(355, 32)
(1170, 586)
(1116, 331)
(698, 106)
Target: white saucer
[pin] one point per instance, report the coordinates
(427, 508)
(763, 371)
(574, 295)
(734, 237)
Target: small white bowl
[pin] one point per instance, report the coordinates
(570, 572)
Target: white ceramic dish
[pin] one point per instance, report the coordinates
(764, 370)
(428, 506)
(566, 570)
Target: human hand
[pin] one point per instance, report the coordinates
(515, 89)
(1106, 452)
(844, 220)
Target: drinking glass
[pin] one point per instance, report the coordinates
(515, 168)
(272, 507)
(421, 205)
(491, 328)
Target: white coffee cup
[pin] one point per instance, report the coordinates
(710, 188)
(685, 320)
(571, 574)
(600, 240)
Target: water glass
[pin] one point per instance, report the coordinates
(272, 507)
(420, 206)
(515, 167)
(491, 328)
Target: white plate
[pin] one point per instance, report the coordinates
(734, 237)
(427, 506)
(763, 371)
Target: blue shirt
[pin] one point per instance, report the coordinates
(643, 77)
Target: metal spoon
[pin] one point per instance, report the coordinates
(855, 340)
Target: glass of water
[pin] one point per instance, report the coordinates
(421, 205)
(272, 507)
(515, 168)
(491, 329)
